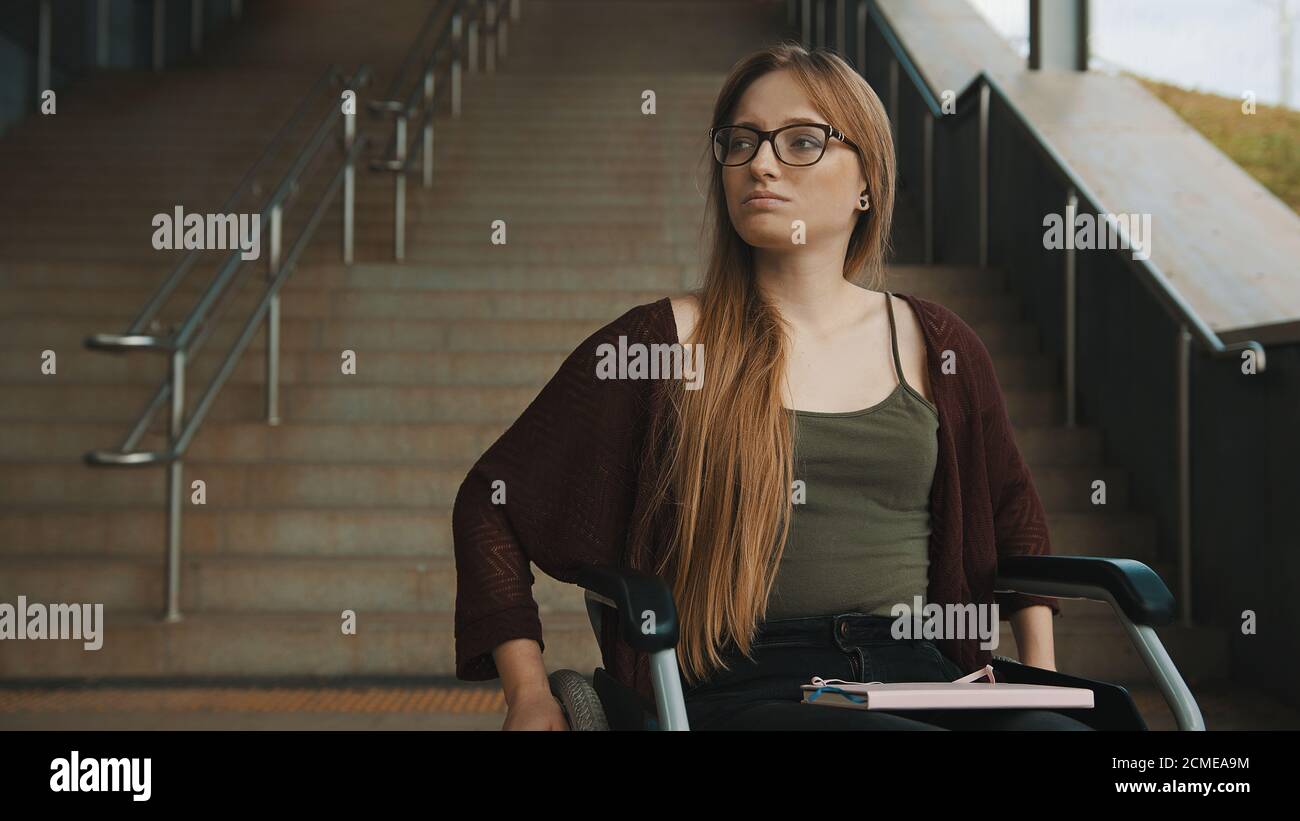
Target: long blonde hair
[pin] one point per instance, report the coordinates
(727, 466)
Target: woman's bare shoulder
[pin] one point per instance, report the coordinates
(686, 312)
(911, 346)
(908, 323)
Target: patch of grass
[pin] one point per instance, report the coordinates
(1265, 144)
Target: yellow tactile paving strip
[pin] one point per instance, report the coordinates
(255, 700)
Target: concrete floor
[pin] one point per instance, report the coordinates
(454, 707)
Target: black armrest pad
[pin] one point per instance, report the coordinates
(1139, 591)
(647, 617)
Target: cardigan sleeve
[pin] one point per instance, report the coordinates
(555, 490)
(1019, 519)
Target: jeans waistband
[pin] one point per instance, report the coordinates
(843, 630)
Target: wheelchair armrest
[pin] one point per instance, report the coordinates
(1133, 586)
(643, 603)
(1141, 602)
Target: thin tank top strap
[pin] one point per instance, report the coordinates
(893, 338)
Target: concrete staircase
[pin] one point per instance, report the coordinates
(346, 505)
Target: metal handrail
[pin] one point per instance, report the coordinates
(390, 101)
(184, 342)
(422, 98)
(1174, 303)
(981, 89)
(182, 269)
(406, 108)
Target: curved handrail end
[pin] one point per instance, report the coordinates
(123, 342)
(1261, 359)
(116, 458)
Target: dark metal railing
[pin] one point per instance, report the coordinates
(184, 343)
(976, 99)
(420, 102)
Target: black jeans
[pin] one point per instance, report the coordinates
(763, 693)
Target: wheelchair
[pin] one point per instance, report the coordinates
(1137, 596)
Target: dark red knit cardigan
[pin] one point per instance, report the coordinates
(575, 470)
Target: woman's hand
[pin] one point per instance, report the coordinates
(535, 710)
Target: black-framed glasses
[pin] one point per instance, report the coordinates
(795, 144)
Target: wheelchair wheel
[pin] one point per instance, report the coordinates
(578, 699)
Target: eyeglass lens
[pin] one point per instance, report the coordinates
(800, 145)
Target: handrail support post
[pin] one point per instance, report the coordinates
(457, 43)
(503, 28)
(349, 185)
(1183, 364)
(984, 176)
(471, 53)
(196, 26)
(927, 130)
(839, 27)
(159, 35)
(862, 37)
(1071, 314)
(399, 192)
(893, 102)
(44, 45)
(175, 469)
(183, 343)
(427, 158)
(490, 41)
(273, 321)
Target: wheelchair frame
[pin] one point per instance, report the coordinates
(646, 616)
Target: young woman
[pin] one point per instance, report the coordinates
(838, 451)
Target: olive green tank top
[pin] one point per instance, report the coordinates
(860, 532)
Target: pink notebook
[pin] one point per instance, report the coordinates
(964, 693)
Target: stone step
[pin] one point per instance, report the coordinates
(217, 132)
(574, 83)
(677, 151)
(303, 301)
(365, 583)
(79, 530)
(1051, 444)
(476, 274)
(76, 531)
(1106, 532)
(1098, 648)
(368, 578)
(418, 335)
(323, 402)
(202, 193)
(544, 115)
(358, 485)
(273, 644)
(47, 442)
(89, 368)
(249, 644)
(680, 211)
(528, 248)
(629, 172)
(446, 201)
(466, 240)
